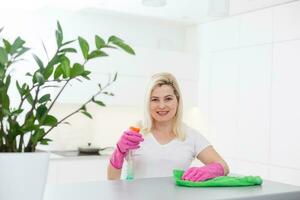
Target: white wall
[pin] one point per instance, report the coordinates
(159, 45)
(248, 90)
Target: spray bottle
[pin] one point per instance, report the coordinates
(130, 173)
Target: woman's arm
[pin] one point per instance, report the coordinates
(113, 173)
(210, 155)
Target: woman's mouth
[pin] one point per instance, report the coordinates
(162, 113)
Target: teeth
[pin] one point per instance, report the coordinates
(162, 112)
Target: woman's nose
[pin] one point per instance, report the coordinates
(161, 105)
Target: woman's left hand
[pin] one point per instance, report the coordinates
(209, 171)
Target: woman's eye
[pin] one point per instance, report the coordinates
(169, 99)
(154, 99)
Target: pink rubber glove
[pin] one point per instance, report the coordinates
(203, 173)
(129, 140)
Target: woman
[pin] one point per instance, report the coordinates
(166, 143)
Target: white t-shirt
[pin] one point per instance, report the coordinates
(156, 160)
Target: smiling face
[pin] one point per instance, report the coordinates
(163, 103)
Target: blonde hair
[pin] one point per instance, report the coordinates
(158, 80)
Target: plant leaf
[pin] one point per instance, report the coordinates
(86, 77)
(48, 71)
(45, 141)
(29, 123)
(50, 121)
(100, 103)
(5, 101)
(2, 71)
(3, 56)
(87, 114)
(58, 72)
(109, 93)
(99, 42)
(59, 27)
(66, 68)
(18, 43)
(38, 77)
(44, 47)
(39, 62)
(66, 123)
(125, 47)
(68, 50)
(22, 51)
(7, 45)
(53, 86)
(7, 83)
(17, 112)
(115, 77)
(57, 59)
(83, 108)
(97, 53)
(77, 70)
(59, 38)
(44, 98)
(29, 98)
(68, 42)
(114, 38)
(85, 74)
(84, 47)
(19, 88)
(41, 111)
(78, 79)
(37, 136)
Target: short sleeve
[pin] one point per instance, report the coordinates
(200, 143)
(198, 140)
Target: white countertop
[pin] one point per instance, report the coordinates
(165, 188)
(74, 154)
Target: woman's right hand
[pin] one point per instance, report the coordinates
(129, 140)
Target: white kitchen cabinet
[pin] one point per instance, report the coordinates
(286, 23)
(284, 140)
(77, 169)
(223, 101)
(210, 38)
(253, 106)
(241, 6)
(253, 21)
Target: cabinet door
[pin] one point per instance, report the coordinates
(240, 6)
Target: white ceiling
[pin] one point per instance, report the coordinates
(176, 10)
(184, 11)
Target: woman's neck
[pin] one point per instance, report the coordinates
(165, 128)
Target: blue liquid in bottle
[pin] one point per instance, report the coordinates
(129, 171)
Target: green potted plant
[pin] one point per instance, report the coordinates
(28, 124)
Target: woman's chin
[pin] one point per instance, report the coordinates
(162, 119)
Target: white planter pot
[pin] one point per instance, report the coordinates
(23, 175)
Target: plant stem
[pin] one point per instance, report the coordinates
(2, 136)
(76, 111)
(31, 110)
(23, 99)
(53, 104)
(58, 95)
(21, 143)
